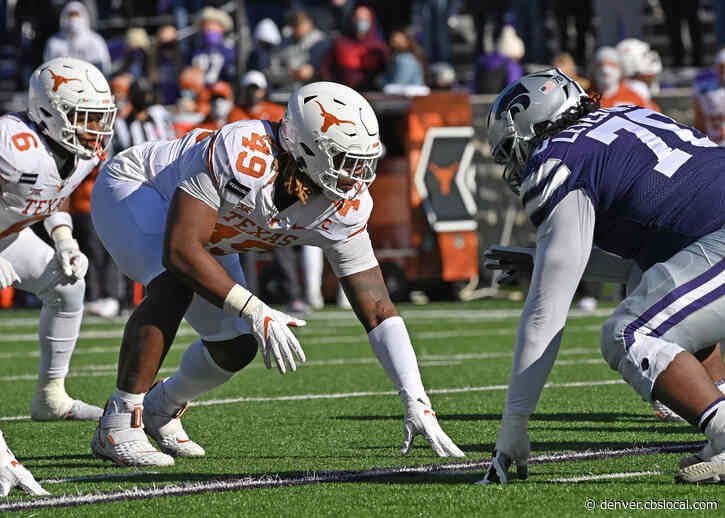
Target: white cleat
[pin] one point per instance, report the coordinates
(704, 455)
(665, 413)
(166, 428)
(498, 471)
(52, 403)
(120, 438)
(711, 471)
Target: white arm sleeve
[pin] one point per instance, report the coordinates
(563, 244)
(201, 187)
(351, 255)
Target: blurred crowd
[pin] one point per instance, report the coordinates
(175, 65)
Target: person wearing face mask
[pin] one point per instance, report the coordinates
(220, 106)
(167, 64)
(357, 57)
(213, 55)
(76, 39)
(252, 102)
(608, 81)
(192, 105)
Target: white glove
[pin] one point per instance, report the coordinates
(512, 445)
(517, 262)
(13, 474)
(271, 329)
(420, 419)
(72, 261)
(7, 274)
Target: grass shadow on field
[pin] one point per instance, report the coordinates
(565, 417)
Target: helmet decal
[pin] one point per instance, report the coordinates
(519, 95)
(329, 119)
(59, 80)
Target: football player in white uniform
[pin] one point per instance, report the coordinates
(45, 153)
(174, 215)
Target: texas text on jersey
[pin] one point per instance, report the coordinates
(31, 185)
(653, 190)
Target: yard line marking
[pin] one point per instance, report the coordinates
(348, 318)
(343, 395)
(272, 481)
(313, 339)
(89, 478)
(606, 476)
(432, 360)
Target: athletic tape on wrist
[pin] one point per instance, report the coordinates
(237, 300)
(56, 220)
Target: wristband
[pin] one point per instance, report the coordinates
(61, 233)
(237, 300)
(57, 219)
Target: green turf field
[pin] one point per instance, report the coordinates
(324, 441)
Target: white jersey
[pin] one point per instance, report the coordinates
(712, 105)
(233, 171)
(31, 188)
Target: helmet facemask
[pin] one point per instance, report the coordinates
(347, 174)
(95, 122)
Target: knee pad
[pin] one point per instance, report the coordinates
(64, 297)
(234, 354)
(642, 362)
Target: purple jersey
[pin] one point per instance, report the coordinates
(656, 185)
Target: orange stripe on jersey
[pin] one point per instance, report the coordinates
(358, 231)
(209, 153)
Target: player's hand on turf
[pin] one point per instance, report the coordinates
(271, 328)
(517, 262)
(420, 419)
(7, 274)
(72, 261)
(13, 474)
(512, 446)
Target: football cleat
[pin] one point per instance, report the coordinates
(120, 438)
(165, 427)
(665, 413)
(52, 403)
(704, 455)
(711, 471)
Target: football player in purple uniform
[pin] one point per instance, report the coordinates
(614, 189)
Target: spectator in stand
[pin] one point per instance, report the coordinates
(266, 39)
(104, 282)
(608, 80)
(618, 19)
(357, 57)
(252, 102)
(640, 65)
(120, 88)
(495, 70)
(581, 13)
(192, 106)
(436, 34)
(297, 60)
(147, 121)
(212, 54)
(221, 105)
(407, 68)
(442, 76)
(709, 101)
(77, 40)
(675, 12)
(136, 59)
(565, 62)
(168, 62)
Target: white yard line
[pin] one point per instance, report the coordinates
(606, 476)
(273, 480)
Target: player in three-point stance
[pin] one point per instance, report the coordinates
(650, 194)
(45, 153)
(174, 215)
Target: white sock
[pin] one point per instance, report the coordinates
(312, 266)
(131, 400)
(57, 333)
(391, 344)
(197, 375)
(715, 426)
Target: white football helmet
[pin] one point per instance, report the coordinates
(332, 132)
(68, 97)
(522, 111)
(637, 57)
